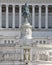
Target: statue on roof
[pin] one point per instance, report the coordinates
(25, 10)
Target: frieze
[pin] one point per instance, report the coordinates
(24, 1)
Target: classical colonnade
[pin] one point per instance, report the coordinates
(20, 16)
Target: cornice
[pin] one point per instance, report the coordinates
(30, 2)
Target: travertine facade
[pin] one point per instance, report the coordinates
(25, 41)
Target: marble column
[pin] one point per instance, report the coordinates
(13, 17)
(33, 16)
(39, 16)
(22, 55)
(46, 17)
(31, 54)
(6, 16)
(0, 16)
(20, 15)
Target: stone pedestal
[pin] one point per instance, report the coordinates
(30, 63)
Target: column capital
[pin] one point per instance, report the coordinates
(33, 5)
(13, 5)
(46, 5)
(20, 5)
(7, 5)
(40, 5)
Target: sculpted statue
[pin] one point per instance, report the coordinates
(26, 12)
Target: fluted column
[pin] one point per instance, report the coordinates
(20, 15)
(39, 16)
(13, 17)
(0, 16)
(33, 16)
(6, 16)
(46, 17)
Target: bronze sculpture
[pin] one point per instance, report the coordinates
(26, 12)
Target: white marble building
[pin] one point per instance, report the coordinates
(25, 41)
